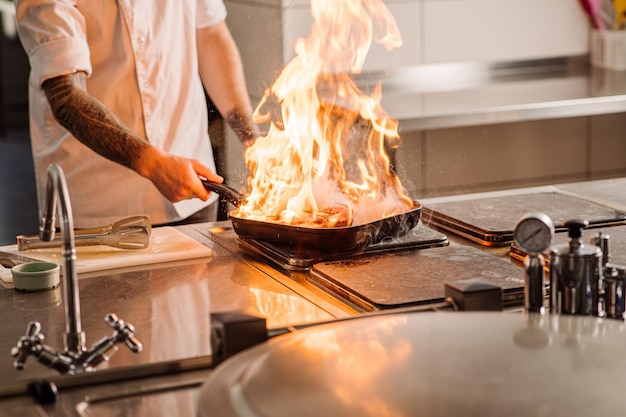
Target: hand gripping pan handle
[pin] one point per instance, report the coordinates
(230, 194)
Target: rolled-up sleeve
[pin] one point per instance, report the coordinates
(53, 36)
(210, 12)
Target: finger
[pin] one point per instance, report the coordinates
(199, 190)
(206, 173)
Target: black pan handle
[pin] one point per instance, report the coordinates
(230, 194)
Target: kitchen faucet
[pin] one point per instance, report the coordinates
(76, 358)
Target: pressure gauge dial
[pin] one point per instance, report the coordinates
(533, 233)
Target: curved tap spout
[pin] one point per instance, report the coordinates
(76, 358)
(58, 200)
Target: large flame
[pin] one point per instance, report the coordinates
(324, 160)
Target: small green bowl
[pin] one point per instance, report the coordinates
(35, 276)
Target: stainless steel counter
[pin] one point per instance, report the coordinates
(461, 94)
(172, 394)
(169, 305)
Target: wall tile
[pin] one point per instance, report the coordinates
(503, 30)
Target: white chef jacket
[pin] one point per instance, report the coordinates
(140, 58)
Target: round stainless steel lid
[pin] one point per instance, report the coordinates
(431, 364)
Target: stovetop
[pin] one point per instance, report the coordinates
(489, 218)
(414, 269)
(408, 271)
(289, 259)
(416, 277)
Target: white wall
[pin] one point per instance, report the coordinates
(433, 31)
(502, 30)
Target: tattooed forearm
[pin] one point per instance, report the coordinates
(245, 129)
(90, 121)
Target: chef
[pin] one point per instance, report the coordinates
(116, 99)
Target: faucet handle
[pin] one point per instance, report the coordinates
(124, 332)
(27, 344)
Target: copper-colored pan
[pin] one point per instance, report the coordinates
(331, 239)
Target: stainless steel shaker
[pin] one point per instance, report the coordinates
(575, 274)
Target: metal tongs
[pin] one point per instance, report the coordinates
(130, 233)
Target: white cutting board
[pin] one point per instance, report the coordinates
(166, 245)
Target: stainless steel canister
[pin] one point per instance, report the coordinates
(575, 274)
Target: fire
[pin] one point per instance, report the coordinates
(323, 161)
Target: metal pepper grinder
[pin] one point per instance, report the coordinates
(575, 273)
